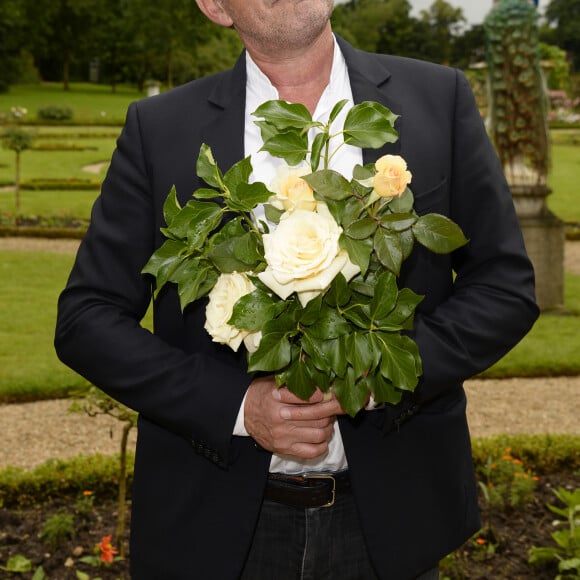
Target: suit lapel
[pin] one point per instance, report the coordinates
(369, 79)
(224, 127)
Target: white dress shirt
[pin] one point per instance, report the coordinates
(258, 90)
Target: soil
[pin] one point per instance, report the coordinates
(508, 536)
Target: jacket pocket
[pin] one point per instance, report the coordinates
(435, 199)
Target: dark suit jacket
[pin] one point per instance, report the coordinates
(197, 489)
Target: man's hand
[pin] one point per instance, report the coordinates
(281, 422)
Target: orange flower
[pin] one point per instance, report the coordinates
(107, 550)
(480, 541)
(87, 493)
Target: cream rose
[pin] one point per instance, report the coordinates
(392, 176)
(303, 255)
(292, 192)
(227, 291)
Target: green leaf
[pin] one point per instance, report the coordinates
(329, 184)
(298, 379)
(18, 564)
(247, 250)
(290, 146)
(351, 393)
(330, 324)
(311, 313)
(403, 203)
(205, 193)
(207, 168)
(385, 296)
(384, 391)
(238, 173)
(40, 574)
(387, 246)
(363, 172)
(323, 380)
(370, 125)
(438, 233)
(267, 130)
(359, 315)
(335, 352)
(163, 262)
(194, 279)
(399, 356)
(339, 293)
(197, 219)
(336, 111)
(407, 239)
(361, 229)
(273, 214)
(273, 354)
(359, 251)
(247, 196)
(171, 206)
(401, 317)
(317, 145)
(282, 114)
(223, 256)
(252, 311)
(398, 222)
(316, 354)
(360, 348)
(194, 222)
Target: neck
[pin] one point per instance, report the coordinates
(299, 75)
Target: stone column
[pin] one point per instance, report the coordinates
(544, 237)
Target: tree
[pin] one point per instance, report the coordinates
(11, 30)
(563, 18)
(375, 25)
(17, 139)
(61, 31)
(445, 25)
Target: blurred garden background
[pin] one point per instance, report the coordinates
(70, 68)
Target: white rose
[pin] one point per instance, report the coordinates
(303, 255)
(292, 192)
(227, 291)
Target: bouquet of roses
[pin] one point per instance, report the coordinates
(312, 290)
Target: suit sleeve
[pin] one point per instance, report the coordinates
(98, 331)
(492, 302)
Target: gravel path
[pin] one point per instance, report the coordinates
(35, 432)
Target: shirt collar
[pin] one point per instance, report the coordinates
(260, 89)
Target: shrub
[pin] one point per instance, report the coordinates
(55, 113)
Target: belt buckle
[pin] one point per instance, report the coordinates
(325, 476)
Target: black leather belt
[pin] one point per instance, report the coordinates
(306, 491)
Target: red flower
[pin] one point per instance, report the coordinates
(107, 550)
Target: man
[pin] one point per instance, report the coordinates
(215, 492)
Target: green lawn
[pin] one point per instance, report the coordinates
(29, 287)
(50, 203)
(565, 182)
(30, 283)
(60, 164)
(90, 103)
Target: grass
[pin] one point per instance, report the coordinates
(29, 287)
(30, 283)
(50, 203)
(91, 103)
(43, 164)
(565, 198)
